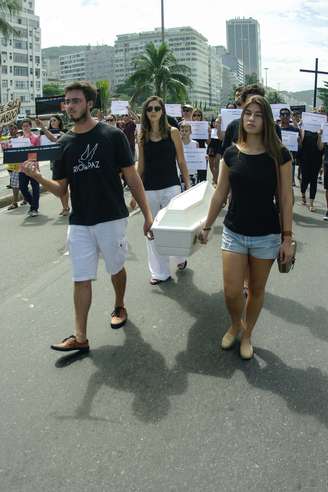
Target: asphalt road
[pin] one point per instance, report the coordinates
(157, 406)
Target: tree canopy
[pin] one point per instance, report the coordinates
(157, 73)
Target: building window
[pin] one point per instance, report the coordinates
(20, 58)
(4, 84)
(4, 69)
(20, 71)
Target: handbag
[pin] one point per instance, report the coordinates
(284, 267)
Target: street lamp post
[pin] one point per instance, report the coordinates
(162, 20)
(266, 77)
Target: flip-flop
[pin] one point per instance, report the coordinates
(156, 281)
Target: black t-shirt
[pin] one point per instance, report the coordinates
(232, 133)
(91, 163)
(253, 183)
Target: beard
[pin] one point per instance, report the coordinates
(80, 119)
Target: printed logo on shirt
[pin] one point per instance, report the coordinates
(86, 162)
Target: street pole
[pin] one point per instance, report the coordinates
(162, 19)
(266, 77)
(316, 71)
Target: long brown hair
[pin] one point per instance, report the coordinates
(164, 126)
(270, 138)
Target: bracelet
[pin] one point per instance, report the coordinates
(207, 228)
(287, 233)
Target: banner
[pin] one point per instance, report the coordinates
(290, 140)
(9, 112)
(195, 159)
(313, 122)
(173, 110)
(39, 153)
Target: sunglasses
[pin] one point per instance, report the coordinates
(110, 119)
(284, 114)
(197, 114)
(150, 109)
(186, 110)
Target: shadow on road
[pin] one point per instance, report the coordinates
(134, 368)
(293, 312)
(313, 221)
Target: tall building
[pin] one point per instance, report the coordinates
(20, 63)
(231, 73)
(94, 63)
(244, 42)
(189, 46)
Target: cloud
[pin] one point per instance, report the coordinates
(293, 32)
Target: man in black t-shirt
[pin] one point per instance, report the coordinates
(232, 130)
(285, 125)
(93, 155)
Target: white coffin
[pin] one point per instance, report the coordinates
(177, 225)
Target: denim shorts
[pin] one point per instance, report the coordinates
(262, 247)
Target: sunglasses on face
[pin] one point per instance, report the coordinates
(284, 114)
(197, 115)
(186, 110)
(150, 109)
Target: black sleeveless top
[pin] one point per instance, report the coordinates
(160, 168)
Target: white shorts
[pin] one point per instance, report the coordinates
(86, 242)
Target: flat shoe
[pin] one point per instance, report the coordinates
(70, 343)
(246, 350)
(156, 281)
(228, 341)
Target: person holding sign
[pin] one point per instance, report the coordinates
(24, 179)
(92, 156)
(13, 169)
(160, 147)
(188, 143)
(197, 115)
(311, 162)
(285, 126)
(54, 131)
(214, 149)
(252, 234)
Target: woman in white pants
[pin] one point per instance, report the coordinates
(160, 149)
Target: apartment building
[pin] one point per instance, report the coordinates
(244, 41)
(189, 46)
(94, 63)
(20, 62)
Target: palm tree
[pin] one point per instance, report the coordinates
(8, 8)
(157, 72)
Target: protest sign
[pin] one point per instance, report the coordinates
(9, 112)
(120, 107)
(49, 105)
(199, 130)
(214, 133)
(173, 110)
(324, 133)
(195, 159)
(39, 153)
(313, 122)
(290, 140)
(298, 109)
(276, 110)
(44, 140)
(229, 115)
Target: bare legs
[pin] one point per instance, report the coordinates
(235, 267)
(83, 297)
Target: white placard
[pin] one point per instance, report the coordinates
(276, 110)
(290, 140)
(214, 133)
(195, 159)
(173, 110)
(324, 136)
(199, 130)
(44, 140)
(228, 115)
(16, 143)
(312, 122)
(120, 107)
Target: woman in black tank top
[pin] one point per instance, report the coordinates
(160, 149)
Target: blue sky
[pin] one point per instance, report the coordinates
(293, 32)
